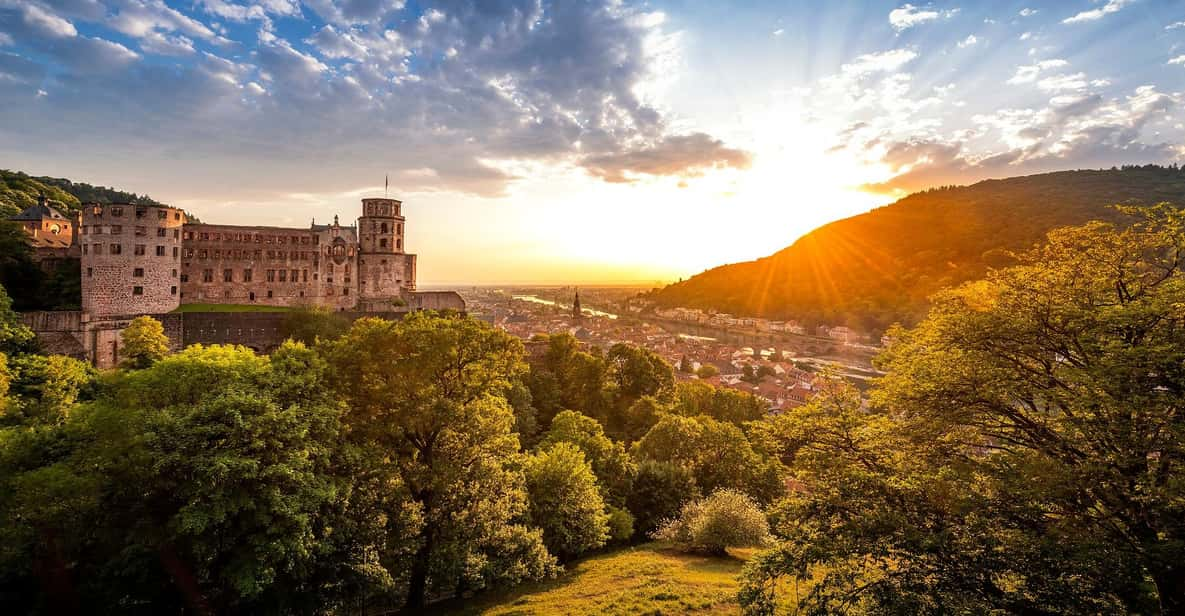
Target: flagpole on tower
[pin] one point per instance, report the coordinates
(386, 184)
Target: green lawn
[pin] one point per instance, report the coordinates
(230, 308)
(645, 579)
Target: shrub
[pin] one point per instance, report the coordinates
(565, 502)
(726, 519)
(621, 525)
(660, 490)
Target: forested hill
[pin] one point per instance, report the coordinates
(872, 270)
(19, 191)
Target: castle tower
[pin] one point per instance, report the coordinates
(385, 270)
(131, 255)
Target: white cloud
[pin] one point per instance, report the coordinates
(48, 23)
(1029, 73)
(908, 16)
(967, 42)
(1112, 6)
(1027, 12)
(779, 32)
(1178, 60)
(1026, 36)
(1062, 83)
(884, 61)
(1175, 25)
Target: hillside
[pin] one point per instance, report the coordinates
(647, 579)
(880, 267)
(19, 191)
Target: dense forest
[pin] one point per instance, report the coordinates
(19, 191)
(878, 268)
(1022, 454)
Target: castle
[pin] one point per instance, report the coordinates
(149, 260)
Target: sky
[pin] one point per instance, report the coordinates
(600, 141)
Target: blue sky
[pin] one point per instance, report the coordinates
(581, 141)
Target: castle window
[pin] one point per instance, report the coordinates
(283, 275)
(116, 229)
(117, 249)
(184, 277)
(98, 249)
(117, 211)
(141, 211)
(84, 247)
(83, 228)
(174, 252)
(398, 244)
(217, 254)
(138, 250)
(217, 237)
(176, 215)
(383, 243)
(383, 228)
(247, 275)
(258, 254)
(141, 231)
(160, 251)
(161, 232)
(189, 235)
(205, 237)
(306, 275)
(174, 273)
(161, 215)
(188, 253)
(207, 275)
(295, 275)
(90, 272)
(137, 290)
(138, 272)
(172, 290)
(251, 296)
(228, 275)
(176, 234)
(203, 253)
(271, 276)
(346, 290)
(98, 229)
(269, 292)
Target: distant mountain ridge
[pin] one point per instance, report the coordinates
(19, 190)
(878, 268)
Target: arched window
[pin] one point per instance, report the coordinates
(383, 228)
(383, 242)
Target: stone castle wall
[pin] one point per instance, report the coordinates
(131, 258)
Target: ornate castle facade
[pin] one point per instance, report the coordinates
(149, 260)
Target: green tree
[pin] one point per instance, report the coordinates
(308, 324)
(202, 483)
(430, 391)
(144, 343)
(564, 377)
(45, 389)
(15, 336)
(638, 372)
(1021, 460)
(725, 519)
(718, 455)
(707, 371)
(612, 465)
(660, 490)
(722, 404)
(565, 501)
